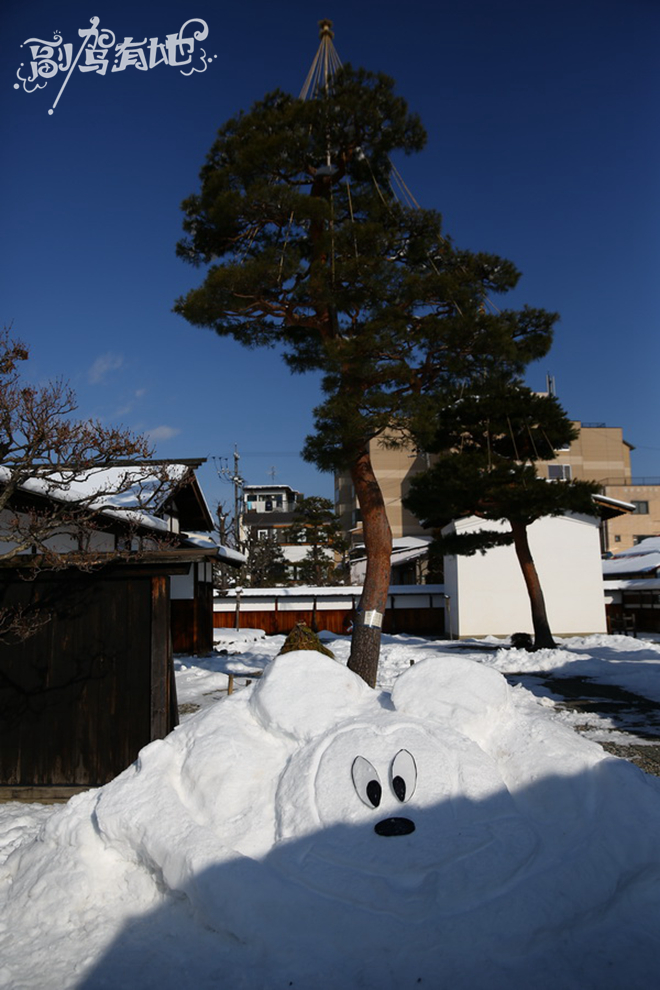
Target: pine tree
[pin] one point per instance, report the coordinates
(309, 251)
(487, 445)
(315, 524)
(266, 565)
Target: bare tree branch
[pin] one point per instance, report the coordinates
(73, 493)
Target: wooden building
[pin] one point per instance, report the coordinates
(632, 588)
(95, 682)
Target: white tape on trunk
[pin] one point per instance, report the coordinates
(373, 619)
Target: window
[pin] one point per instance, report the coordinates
(559, 472)
(638, 539)
(641, 508)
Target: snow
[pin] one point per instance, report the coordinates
(345, 591)
(404, 548)
(642, 558)
(130, 493)
(444, 830)
(632, 664)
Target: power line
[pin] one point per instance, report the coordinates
(271, 453)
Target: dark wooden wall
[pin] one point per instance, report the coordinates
(82, 696)
(192, 622)
(640, 612)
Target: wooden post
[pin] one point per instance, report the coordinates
(238, 608)
(160, 657)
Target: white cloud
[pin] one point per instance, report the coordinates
(103, 364)
(130, 405)
(163, 432)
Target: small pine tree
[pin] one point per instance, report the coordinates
(316, 525)
(302, 637)
(487, 445)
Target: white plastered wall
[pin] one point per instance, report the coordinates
(487, 594)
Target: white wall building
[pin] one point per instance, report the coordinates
(487, 593)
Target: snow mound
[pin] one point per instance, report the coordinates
(518, 661)
(311, 831)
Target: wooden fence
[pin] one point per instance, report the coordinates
(417, 609)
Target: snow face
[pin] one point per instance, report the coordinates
(363, 790)
(310, 831)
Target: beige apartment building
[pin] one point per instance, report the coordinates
(600, 454)
(394, 469)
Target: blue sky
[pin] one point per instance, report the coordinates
(543, 146)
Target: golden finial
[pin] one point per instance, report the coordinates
(325, 30)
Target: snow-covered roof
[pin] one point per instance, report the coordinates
(134, 494)
(208, 541)
(404, 548)
(614, 503)
(131, 493)
(641, 559)
(410, 542)
(634, 584)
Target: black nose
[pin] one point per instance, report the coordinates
(394, 826)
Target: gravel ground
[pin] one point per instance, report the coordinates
(646, 757)
(630, 713)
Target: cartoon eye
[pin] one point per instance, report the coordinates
(403, 775)
(366, 782)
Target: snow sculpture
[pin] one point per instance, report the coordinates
(385, 805)
(340, 836)
(393, 810)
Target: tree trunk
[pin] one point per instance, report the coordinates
(542, 635)
(367, 627)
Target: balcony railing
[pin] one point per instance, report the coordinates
(629, 482)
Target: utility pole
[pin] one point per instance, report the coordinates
(238, 495)
(234, 477)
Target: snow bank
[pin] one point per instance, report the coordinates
(309, 831)
(628, 663)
